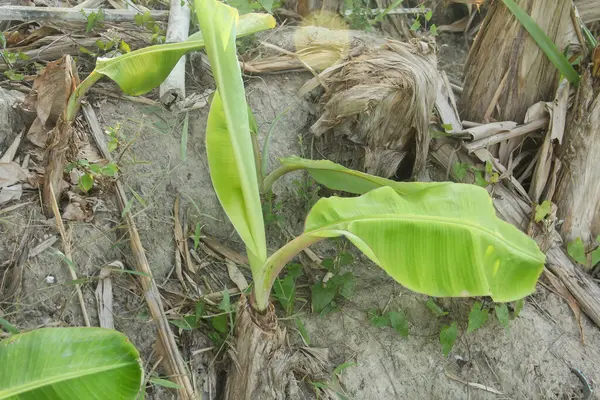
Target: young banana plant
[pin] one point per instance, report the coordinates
(441, 239)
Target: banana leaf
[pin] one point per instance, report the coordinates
(142, 70)
(444, 240)
(228, 140)
(337, 177)
(69, 364)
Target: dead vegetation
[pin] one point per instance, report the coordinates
(382, 106)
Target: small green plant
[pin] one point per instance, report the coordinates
(577, 252)
(435, 308)
(542, 210)
(218, 323)
(94, 19)
(91, 172)
(333, 383)
(285, 289)
(394, 319)
(448, 336)
(10, 58)
(326, 295)
(359, 14)
(272, 208)
(145, 20)
(460, 172)
(115, 137)
(422, 21)
(478, 316)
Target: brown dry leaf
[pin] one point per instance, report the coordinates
(48, 99)
(12, 173)
(13, 38)
(26, 40)
(53, 87)
(9, 193)
(37, 134)
(73, 212)
(236, 276)
(457, 26)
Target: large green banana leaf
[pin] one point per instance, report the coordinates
(69, 364)
(444, 240)
(228, 140)
(337, 177)
(142, 70)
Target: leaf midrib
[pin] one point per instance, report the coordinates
(39, 383)
(424, 218)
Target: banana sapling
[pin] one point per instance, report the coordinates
(436, 238)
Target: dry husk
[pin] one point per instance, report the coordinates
(381, 101)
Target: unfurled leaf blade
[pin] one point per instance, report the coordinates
(140, 71)
(337, 177)
(69, 364)
(442, 241)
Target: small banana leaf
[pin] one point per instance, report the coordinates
(142, 70)
(444, 240)
(69, 364)
(337, 177)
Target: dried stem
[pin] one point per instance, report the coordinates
(68, 253)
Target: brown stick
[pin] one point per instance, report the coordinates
(175, 362)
